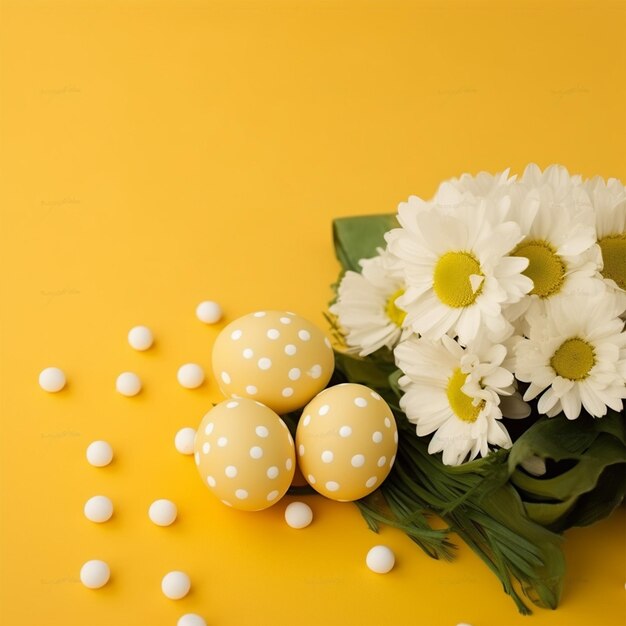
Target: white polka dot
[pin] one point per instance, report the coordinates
(272, 472)
(327, 456)
(290, 349)
(358, 460)
(230, 471)
(294, 373)
(311, 479)
(395, 437)
(260, 314)
(248, 353)
(210, 481)
(331, 485)
(272, 333)
(327, 342)
(206, 447)
(261, 431)
(226, 378)
(241, 494)
(304, 335)
(375, 395)
(196, 457)
(381, 461)
(287, 392)
(285, 320)
(251, 389)
(226, 502)
(345, 431)
(236, 335)
(307, 420)
(315, 371)
(360, 402)
(208, 429)
(371, 481)
(323, 410)
(256, 452)
(387, 422)
(393, 460)
(301, 450)
(272, 495)
(264, 363)
(232, 405)
(377, 437)
(222, 442)
(288, 464)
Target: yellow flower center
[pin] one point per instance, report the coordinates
(459, 401)
(451, 279)
(614, 256)
(394, 313)
(545, 267)
(573, 359)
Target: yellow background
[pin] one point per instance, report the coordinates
(158, 154)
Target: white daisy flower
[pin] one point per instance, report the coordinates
(575, 356)
(451, 193)
(457, 269)
(609, 202)
(454, 392)
(367, 306)
(483, 185)
(557, 220)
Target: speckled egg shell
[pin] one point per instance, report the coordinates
(275, 357)
(245, 454)
(346, 442)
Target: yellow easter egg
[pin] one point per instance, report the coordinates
(245, 454)
(275, 357)
(346, 442)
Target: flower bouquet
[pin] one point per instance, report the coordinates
(490, 319)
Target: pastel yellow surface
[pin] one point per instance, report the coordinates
(158, 154)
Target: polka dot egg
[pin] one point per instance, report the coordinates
(346, 442)
(275, 357)
(245, 454)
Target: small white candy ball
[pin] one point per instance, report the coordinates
(184, 440)
(190, 375)
(175, 585)
(95, 574)
(298, 515)
(99, 453)
(52, 379)
(98, 509)
(162, 512)
(128, 384)
(190, 619)
(140, 338)
(380, 559)
(209, 312)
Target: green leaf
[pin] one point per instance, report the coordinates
(602, 501)
(358, 238)
(372, 372)
(592, 484)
